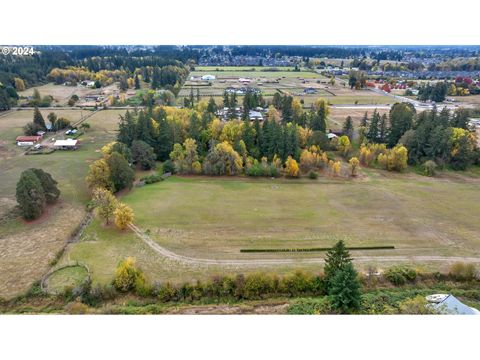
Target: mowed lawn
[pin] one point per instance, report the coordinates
(213, 218)
(205, 217)
(27, 248)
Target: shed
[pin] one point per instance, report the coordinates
(66, 144)
(208, 77)
(27, 140)
(254, 115)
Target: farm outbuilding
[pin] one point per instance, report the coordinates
(208, 77)
(68, 144)
(255, 115)
(28, 140)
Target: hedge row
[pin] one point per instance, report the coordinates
(387, 247)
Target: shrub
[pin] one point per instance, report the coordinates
(257, 286)
(76, 308)
(310, 306)
(127, 275)
(301, 283)
(166, 292)
(168, 167)
(400, 275)
(429, 168)
(462, 272)
(151, 179)
(312, 175)
(416, 306)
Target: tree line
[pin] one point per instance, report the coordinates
(442, 136)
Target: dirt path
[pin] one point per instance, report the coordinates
(259, 262)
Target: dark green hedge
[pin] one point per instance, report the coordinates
(388, 247)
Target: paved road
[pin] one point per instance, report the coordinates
(263, 262)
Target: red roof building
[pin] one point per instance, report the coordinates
(28, 138)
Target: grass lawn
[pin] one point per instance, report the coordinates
(27, 248)
(67, 277)
(257, 74)
(213, 218)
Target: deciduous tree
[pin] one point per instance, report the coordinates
(123, 216)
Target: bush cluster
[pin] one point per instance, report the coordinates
(258, 169)
(400, 275)
(152, 179)
(250, 287)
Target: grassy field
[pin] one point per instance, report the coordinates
(242, 68)
(213, 218)
(67, 277)
(286, 82)
(61, 94)
(27, 248)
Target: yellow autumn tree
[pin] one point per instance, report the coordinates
(353, 166)
(344, 145)
(19, 84)
(107, 148)
(128, 276)
(335, 167)
(273, 114)
(123, 216)
(291, 167)
(105, 203)
(99, 175)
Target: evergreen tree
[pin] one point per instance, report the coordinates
(287, 111)
(164, 141)
(155, 78)
(347, 128)
(30, 195)
(145, 129)
(460, 118)
(226, 100)
(344, 290)
(248, 137)
(38, 118)
(382, 129)
(49, 185)
(195, 128)
(258, 138)
(127, 129)
(191, 98)
(336, 259)
(373, 128)
(212, 106)
(364, 121)
(232, 112)
(137, 82)
(401, 120)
